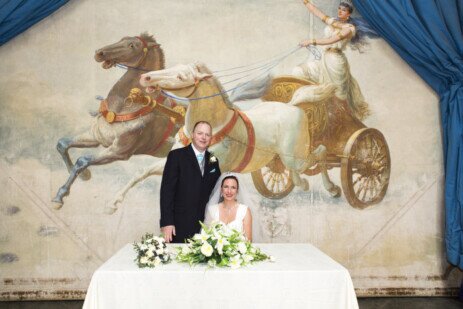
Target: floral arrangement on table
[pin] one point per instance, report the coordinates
(218, 245)
(151, 251)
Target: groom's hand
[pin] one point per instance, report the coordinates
(169, 232)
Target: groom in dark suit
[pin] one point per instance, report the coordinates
(189, 176)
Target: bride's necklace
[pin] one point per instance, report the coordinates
(229, 209)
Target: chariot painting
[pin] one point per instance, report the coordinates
(329, 128)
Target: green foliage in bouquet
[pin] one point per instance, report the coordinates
(220, 246)
(151, 251)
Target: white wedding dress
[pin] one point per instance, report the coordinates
(213, 216)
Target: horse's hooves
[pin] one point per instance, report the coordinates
(109, 210)
(56, 204)
(85, 175)
(335, 191)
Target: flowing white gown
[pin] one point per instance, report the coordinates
(213, 216)
(333, 68)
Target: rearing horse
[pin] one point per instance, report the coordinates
(123, 126)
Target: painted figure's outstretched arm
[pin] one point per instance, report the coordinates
(343, 29)
(316, 11)
(338, 36)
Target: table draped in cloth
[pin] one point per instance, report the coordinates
(301, 277)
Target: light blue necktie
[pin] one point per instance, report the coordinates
(200, 158)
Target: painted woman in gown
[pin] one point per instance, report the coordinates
(333, 67)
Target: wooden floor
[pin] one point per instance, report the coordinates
(364, 303)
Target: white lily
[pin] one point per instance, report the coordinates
(242, 248)
(216, 234)
(203, 236)
(186, 250)
(220, 243)
(247, 258)
(235, 262)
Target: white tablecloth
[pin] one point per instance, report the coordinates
(301, 277)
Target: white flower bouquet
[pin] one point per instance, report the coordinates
(220, 246)
(151, 251)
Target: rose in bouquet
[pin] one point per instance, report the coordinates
(218, 245)
(151, 251)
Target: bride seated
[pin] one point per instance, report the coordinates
(230, 210)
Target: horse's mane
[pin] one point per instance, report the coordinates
(202, 68)
(149, 38)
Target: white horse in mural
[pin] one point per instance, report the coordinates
(250, 90)
(278, 128)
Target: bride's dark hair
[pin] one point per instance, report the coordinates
(230, 177)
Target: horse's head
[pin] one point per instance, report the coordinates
(179, 79)
(129, 51)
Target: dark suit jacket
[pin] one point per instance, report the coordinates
(184, 192)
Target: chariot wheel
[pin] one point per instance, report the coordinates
(365, 168)
(273, 180)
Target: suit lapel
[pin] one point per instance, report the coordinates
(206, 163)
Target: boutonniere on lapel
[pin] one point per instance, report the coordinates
(212, 158)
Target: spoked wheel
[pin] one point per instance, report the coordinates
(273, 181)
(365, 168)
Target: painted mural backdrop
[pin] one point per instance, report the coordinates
(342, 149)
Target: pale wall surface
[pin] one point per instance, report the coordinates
(47, 89)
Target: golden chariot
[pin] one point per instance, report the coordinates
(362, 153)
